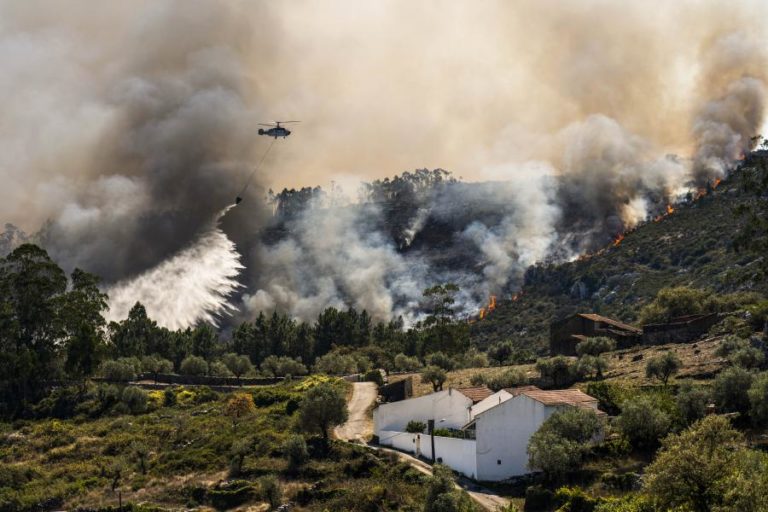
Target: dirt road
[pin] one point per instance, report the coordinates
(359, 428)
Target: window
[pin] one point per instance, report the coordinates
(498, 461)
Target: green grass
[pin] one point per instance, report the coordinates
(73, 463)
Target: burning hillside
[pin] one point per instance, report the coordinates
(579, 124)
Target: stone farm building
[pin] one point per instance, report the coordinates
(565, 334)
(489, 431)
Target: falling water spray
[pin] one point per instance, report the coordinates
(191, 286)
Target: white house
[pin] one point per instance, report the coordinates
(449, 408)
(497, 429)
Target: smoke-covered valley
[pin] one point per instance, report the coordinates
(563, 123)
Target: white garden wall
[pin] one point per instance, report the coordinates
(458, 454)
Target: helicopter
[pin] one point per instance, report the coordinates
(277, 130)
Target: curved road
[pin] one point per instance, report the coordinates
(359, 429)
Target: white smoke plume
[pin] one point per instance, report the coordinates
(127, 126)
(334, 259)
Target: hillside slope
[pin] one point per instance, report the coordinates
(693, 246)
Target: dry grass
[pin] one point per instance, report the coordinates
(699, 363)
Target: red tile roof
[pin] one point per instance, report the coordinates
(560, 397)
(520, 389)
(476, 393)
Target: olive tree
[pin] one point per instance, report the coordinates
(663, 367)
(730, 390)
(435, 376)
(239, 365)
(693, 468)
(194, 365)
(595, 346)
(324, 406)
(643, 423)
(558, 447)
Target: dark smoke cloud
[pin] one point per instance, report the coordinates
(175, 134)
(127, 127)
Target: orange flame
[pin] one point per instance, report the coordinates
(716, 183)
(486, 310)
(670, 209)
(618, 239)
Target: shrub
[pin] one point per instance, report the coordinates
(442, 495)
(609, 396)
(334, 363)
(194, 366)
(477, 379)
(404, 363)
(643, 423)
(629, 503)
(282, 366)
(558, 447)
(673, 302)
(729, 345)
(231, 496)
(219, 369)
(537, 498)
(135, 399)
(574, 499)
(557, 371)
(730, 390)
(595, 346)
(117, 371)
(475, 359)
(501, 352)
(295, 449)
(510, 378)
(692, 402)
(691, 470)
(270, 490)
(415, 427)
(758, 316)
(733, 325)
(758, 399)
(589, 367)
(663, 367)
(205, 394)
(748, 358)
(239, 405)
(441, 360)
(374, 376)
(169, 397)
(240, 449)
(264, 397)
(107, 395)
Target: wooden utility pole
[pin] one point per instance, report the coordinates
(431, 432)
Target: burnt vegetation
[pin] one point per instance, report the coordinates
(714, 242)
